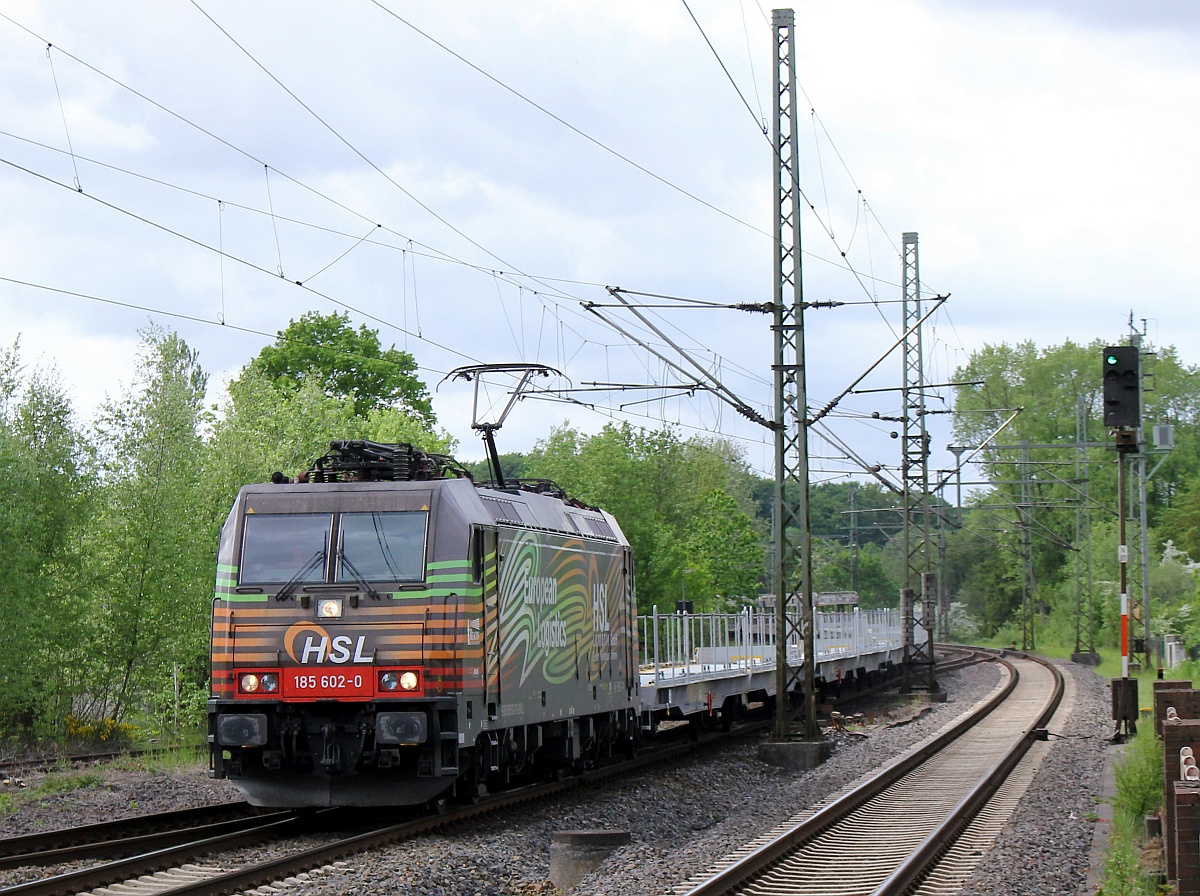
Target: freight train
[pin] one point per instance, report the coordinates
(387, 632)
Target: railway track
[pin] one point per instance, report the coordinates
(888, 834)
(204, 859)
(122, 837)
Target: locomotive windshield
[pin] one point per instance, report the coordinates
(382, 547)
(282, 547)
(372, 547)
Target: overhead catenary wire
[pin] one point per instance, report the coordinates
(307, 108)
(724, 68)
(350, 145)
(242, 261)
(497, 275)
(224, 254)
(63, 110)
(586, 136)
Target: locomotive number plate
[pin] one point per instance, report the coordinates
(325, 683)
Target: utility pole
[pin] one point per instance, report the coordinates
(919, 627)
(1028, 579)
(854, 537)
(1083, 553)
(790, 423)
(1135, 340)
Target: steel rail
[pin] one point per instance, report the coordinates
(748, 867)
(246, 878)
(266, 872)
(114, 847)
(25, 846)
(121, 869)
(915, 868)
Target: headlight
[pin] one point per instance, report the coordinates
(329, 608)
(255, 682)
(402, 681)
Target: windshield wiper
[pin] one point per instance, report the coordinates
(289, 586)
(358, 576)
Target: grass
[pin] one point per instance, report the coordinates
(1139, 778)
(167, 760)
(54, 784)
(1110, 666)
(57, 783)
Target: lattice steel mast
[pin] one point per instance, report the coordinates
(919, 597)
(790, 521)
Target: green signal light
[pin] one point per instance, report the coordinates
(1110, 359)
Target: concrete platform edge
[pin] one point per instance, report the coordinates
(1108, 789)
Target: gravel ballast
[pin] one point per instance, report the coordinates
(682, 819)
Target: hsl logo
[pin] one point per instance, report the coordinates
(318, 647)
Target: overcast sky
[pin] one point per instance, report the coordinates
(464, 176)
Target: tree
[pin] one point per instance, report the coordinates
(43, 507)
(723, 545)
(1033, 462)
(261, 429)
(152, 543)
(661, 490)
(348, 364)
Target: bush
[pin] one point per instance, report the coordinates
(104, 732)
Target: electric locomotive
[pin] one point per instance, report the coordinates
(387, 632)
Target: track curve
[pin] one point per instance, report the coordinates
(884, 835)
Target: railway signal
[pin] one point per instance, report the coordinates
(1122, 386)
(1123, 413)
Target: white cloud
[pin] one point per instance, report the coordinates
(1043, 155)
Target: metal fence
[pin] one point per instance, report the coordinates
(679, 643)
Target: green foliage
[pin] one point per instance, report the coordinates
(1139, 779)
(1038, 481)
(1139, 776)
(348, 363)
(851, 512)
(514, 465)
(54, 784)
(1121, 872)
(44, 505)
(726, 549)
(107, 598)
(1182, 518)
(98, 732)
(152, 546)
(682, 505)
(261, 430)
